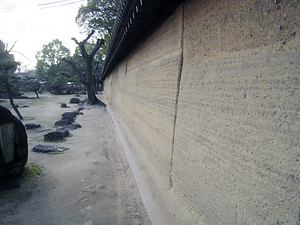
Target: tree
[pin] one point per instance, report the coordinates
(61, 80)
(50, 64)
(98, 15)
(32, 84)
(87, 77)
(7, 68)
(97, 63)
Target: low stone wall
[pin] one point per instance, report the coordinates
(213, 99)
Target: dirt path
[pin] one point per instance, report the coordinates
(91, 183)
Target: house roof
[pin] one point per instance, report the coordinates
(136, 20)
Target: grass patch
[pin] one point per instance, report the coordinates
(32, 171)
(54, 153)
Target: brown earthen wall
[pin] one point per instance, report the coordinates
(226, 74)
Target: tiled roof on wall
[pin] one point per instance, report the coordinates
(135, 21)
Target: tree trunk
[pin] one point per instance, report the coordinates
(92, 98)
(89, 79)
(90, 86)
(37, 95)
(12, 101)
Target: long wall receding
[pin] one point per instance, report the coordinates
(212, 97)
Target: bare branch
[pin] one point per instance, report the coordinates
(82, 76)
(82, 43)
(98, 45)
(8, 51)
(73, 65)
(74, 39)
(88, 37)
(12, 46)
(82, 48)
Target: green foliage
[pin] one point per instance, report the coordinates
(52, 53)
(98, 15)
(60, 80)
(32, 84)
(4, 53)
(6, 75)
(79, 60)
(8, 65)
(32, 171)
(7, 68)
(50, 65)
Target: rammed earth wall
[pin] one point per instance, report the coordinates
(212, 96)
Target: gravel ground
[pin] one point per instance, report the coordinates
(91, 183)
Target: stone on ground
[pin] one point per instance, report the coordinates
(70, 115)
(48, 149)
(29, 126)
(64, 131)
(54, 136)
(74, 100)
(63, 122)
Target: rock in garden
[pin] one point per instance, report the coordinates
(76, 125)
(54, 136)
(72, 126)
(67, 118)
(48, 149)
(30, 126)
(80, 108)
(69, 115)
(14, 145)
(64, 131)
(83, 102)
(74, 100)
(63, 105)
(63, 122)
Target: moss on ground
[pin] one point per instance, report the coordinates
(32, 171)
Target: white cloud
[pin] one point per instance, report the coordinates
(32, 27)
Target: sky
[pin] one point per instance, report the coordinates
(34, 23)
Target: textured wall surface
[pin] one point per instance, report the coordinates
(213, 98)
(144, 89)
